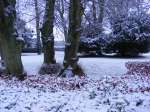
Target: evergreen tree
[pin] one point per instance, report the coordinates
(131, 35)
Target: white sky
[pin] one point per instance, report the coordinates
(26, 11)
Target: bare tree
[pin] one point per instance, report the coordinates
(47, 33)
(62, 17)
(94, 11)
(37, 19)
(71, 66)
(101, 12)
(10, 44)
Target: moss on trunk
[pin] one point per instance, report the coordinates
(72, 42)
(47, 33)
(10, 46)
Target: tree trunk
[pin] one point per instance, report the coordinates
(47, 33)
(39, 49)
(94, 11)
(101, 12)
(10, 45)
(62, 12)
(2, 56)
(71, 67)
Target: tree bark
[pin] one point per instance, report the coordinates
(47, 33)
(63, 19)
(94, 11)
(72, 42)
(39, 48)
(2, 56)
(101, 10)
(8, 38)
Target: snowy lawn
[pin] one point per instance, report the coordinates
(105, 89)
(93, 67)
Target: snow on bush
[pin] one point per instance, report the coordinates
(92, 42)
(130, 35)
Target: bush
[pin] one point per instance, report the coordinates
(25, 33)
(92, 39)
(128, 47)
(92, 44)
(130, 35)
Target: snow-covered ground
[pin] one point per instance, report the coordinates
(47, 94)
(94, 67)
(106, 89)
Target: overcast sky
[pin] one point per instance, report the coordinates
(26, 11)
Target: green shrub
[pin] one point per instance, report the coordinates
(130, 35)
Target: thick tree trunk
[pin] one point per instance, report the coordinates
(10, 45)
(39, 49)
(12, 56)
(49, 52)
(47, 33)
(71, 67)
